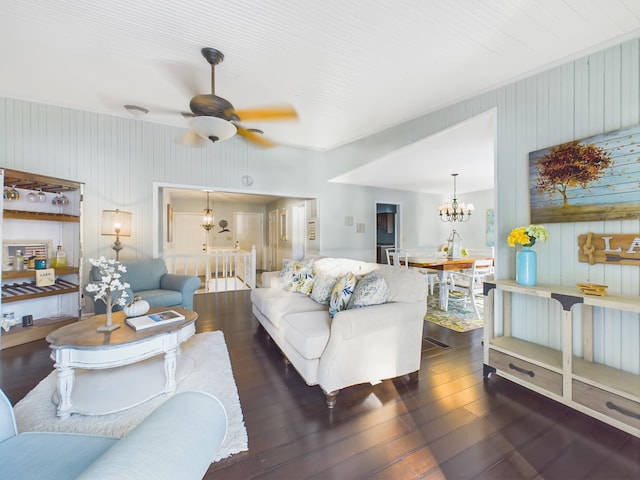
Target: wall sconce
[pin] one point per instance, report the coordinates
(116, 223)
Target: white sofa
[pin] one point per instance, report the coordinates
(359, 345)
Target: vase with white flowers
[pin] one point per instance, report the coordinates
(526, 259)
(110, 289)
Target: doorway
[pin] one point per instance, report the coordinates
(387, 229)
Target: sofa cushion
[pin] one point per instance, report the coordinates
(275, 302)
(370, 290)
(338, 267)
(161, 298)
(323, 284)
(341, 293)
(307, 332)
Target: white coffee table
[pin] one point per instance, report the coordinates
(102, 373)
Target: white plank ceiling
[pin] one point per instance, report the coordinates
(351, 69)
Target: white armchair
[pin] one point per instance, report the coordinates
(469, 283)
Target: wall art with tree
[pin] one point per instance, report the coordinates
(597, 178)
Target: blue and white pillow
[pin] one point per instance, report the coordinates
(286, 274)
(302, 279)
(341, 293)
(322, 287)
(370, 290)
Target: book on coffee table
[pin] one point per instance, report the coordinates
(151, 320)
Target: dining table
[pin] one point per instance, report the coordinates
(442, 265)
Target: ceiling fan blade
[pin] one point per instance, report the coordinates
(283, 112)
(255, 137)
(192, 139)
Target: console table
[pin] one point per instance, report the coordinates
(119, 369)
(606, 393)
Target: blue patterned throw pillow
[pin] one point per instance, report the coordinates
(302, 278)
(341, 293)
(370, 290)
(322, 287)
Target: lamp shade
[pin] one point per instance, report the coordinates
(116, 222)
(213, 128)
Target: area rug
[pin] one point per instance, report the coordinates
(212, 374)
(459, 317)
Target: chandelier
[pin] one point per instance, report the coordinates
(207, 217)
(455, 212)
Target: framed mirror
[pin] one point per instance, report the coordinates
(282, 216)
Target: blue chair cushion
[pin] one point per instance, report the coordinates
(161, 298)
(145, 275)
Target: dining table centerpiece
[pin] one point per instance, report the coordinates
(526, 258)
(111, 289)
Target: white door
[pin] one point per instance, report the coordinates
(249, 230)
(188, 235)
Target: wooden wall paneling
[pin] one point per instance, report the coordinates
(612, 89)
(630, 74)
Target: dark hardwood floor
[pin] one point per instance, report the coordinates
(451, 424)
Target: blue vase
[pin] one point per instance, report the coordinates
(526, 267)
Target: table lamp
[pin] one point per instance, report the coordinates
(116, 223)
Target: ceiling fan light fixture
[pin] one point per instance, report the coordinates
(136, 110)
(213, 128)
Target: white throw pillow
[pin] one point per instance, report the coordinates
(341, 293)
(322, 287)
(370, 290)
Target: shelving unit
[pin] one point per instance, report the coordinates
(47, 223)
(601, 391)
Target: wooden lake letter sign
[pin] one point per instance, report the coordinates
(617, 249)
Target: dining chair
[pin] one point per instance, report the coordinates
(396, 257)
(469, 284)
(400, 258)
(431, 276)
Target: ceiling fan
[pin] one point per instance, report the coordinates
(215, 118)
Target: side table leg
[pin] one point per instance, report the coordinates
(66, 379)
(170, 364)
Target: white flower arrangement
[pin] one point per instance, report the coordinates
(110, 283)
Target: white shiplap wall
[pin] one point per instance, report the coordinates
(119, 159)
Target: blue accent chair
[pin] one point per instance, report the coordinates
(150, 280)
(178, 439)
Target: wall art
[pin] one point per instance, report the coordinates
(593, 179)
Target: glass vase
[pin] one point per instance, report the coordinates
(526, 267)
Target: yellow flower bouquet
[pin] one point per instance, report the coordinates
(527, 236)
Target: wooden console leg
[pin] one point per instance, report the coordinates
(330, 398)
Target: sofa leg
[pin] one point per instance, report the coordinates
(286, 361)
(414, 377)
(330, 398)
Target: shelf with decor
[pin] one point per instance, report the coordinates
(605, 392)
(47, 211)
